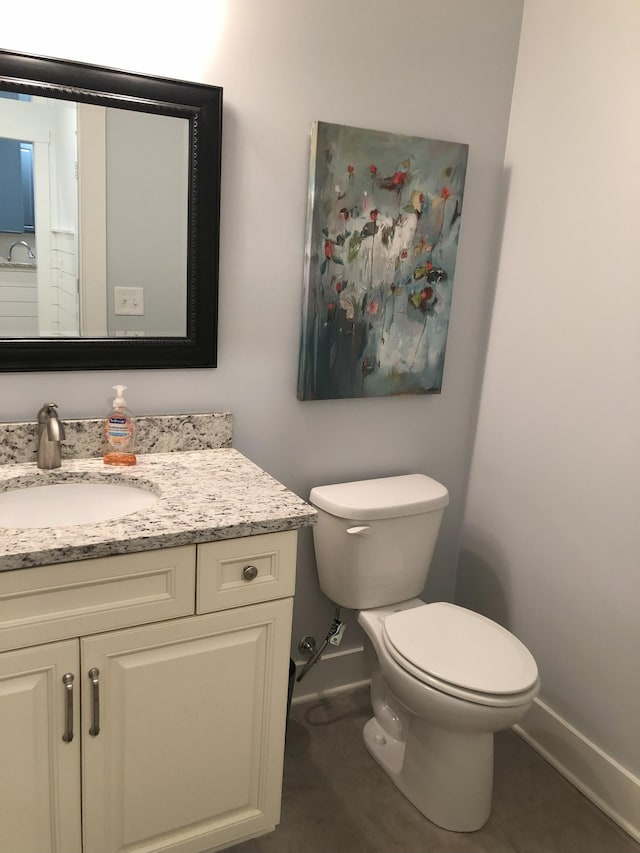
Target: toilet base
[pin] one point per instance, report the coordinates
(448, 776)
(387, 751)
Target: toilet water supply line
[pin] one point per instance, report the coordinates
(334, 637)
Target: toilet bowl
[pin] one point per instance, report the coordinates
(443, 678)
(430, 733)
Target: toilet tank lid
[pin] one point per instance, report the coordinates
(385, 497)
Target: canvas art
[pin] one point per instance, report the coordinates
(383, 219)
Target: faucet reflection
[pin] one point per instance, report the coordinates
(24, 243)
(50, 435)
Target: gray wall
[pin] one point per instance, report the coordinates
(551, 541)
(423, 67)
(147, 218)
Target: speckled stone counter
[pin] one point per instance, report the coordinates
(204, 495)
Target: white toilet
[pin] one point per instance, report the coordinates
(443, 678)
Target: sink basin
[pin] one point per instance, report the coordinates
(68, 504)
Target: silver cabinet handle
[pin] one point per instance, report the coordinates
(94, 675)
(249, 573)
(67, 680)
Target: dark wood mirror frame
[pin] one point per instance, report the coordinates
(201, 105)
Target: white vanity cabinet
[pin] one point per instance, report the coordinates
(128, 724)
(39, 772)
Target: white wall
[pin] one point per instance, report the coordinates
(422, 67)
(551, 539)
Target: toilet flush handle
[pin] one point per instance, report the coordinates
(359, 531)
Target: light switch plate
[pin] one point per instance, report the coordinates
(129, 300)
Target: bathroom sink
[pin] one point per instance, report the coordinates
(68, 504)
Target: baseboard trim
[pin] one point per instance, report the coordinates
(609, 785)
(305, 698)
(335, 672)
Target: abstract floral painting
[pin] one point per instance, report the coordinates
(383, 219)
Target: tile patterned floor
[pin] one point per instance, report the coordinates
(337, 800)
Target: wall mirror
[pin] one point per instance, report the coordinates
(109, 217)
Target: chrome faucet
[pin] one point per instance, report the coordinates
(50, 435)
(20, 243)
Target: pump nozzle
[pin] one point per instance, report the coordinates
(119, 389)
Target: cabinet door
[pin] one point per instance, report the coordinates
(39, 771)
(191, 731)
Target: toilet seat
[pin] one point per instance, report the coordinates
(461, 653)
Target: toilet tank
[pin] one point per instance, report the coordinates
(375, 538)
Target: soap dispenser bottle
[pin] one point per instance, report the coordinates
(119, 432)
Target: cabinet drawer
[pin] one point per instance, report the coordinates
(222, 577)
(70, 599)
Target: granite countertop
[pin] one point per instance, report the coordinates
(204, 495)
(17, 265)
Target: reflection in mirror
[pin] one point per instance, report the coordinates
(134, 234)
(108, 217)
(112, 212)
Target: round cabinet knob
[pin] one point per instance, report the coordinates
(249, 573)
